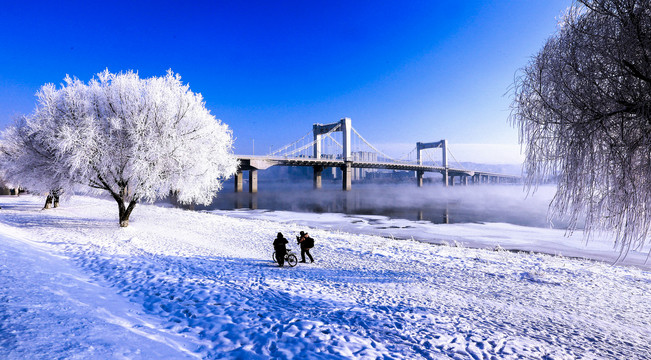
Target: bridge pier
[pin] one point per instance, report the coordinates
(239, 180)
(419, 178)
(347, 176)
(317, 177)
(253, 181)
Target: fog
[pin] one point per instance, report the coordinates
(433, 202)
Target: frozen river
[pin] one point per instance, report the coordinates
(434, 203)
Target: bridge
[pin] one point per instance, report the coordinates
(339, 146)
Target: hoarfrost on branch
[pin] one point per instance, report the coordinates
(583, 109)
(137, 139)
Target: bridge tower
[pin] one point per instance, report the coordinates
(344, 125)
(443, 144)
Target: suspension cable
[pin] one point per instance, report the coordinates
(429, 156)
(373, 147)
(457, 161)
(335, 141)
(312, 143)
(407, 155)
(289, 145)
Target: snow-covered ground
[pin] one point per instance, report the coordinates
(474, 235)
(183, 284)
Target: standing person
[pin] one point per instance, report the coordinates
(281, 250)
(306, 244)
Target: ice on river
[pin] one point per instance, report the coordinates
(183, 284)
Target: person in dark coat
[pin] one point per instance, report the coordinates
(281, 250)
(306, 244)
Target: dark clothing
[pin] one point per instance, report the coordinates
(279, 244)
(280, 257)
(281, 250)
(306, 244)
(306, 251)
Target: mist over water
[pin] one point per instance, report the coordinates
(432, 202)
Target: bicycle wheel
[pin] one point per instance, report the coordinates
(273, 256)
(291, 260)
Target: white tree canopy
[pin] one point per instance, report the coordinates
(138, 139)
(28, 159)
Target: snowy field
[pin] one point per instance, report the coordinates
(180, 284)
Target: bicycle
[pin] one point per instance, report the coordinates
(290, 258)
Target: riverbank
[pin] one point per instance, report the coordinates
(184, 284)
(489, 236)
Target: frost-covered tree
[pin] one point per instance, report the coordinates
(27, 159)
(583, 108)
(137, 139)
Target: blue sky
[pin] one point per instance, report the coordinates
(404, 71)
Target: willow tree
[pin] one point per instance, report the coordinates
(583, 109)
(137, 139)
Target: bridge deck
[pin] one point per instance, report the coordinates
(252, 162)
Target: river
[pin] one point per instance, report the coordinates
(434, 203)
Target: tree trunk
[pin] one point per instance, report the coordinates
(48, 200)
(119, 197)
(125, 212)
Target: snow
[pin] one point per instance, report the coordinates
(181, 284)
(121, 135)
(476, 235)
